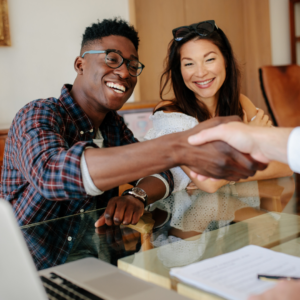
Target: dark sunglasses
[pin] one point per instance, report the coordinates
(204, 28)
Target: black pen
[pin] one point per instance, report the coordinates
(275, 278)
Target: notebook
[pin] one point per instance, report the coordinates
(234, 275)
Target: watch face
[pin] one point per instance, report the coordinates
(139, 191)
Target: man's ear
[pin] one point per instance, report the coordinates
(78, 65)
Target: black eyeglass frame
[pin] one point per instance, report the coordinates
(193, 28)
(123, 60)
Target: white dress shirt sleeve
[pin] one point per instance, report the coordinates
(293, 150)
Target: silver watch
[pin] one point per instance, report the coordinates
(138, 193)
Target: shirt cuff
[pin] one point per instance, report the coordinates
(164, 181)
(88, 183)
(293, 149)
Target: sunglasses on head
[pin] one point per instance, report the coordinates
(204, 28)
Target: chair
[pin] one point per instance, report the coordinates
(281, 89)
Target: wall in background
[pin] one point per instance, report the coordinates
(280, 32)
(246, 24)
(46, 37)
(35, 66)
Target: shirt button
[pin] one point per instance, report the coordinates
(82, 210)
(81, 132)
(92, 130)
(69, 238)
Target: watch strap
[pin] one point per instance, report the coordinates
(132, 193)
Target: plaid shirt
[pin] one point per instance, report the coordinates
(41, 174)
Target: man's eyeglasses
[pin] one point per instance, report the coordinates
(204, 28)
(114, 60)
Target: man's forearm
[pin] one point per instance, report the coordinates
(111, 167)
(262, 143)
(272, 142)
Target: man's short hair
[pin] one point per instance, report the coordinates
(109, 27)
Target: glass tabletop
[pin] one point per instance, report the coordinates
(188, 226)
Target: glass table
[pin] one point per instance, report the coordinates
(187, 227)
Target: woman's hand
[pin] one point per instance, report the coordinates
(192, 186)
(260, 119)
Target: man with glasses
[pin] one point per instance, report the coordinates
(66, 155)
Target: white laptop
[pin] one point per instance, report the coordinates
(88, 278)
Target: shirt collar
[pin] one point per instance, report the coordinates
(80, 118)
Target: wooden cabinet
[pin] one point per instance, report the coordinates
(295, 34)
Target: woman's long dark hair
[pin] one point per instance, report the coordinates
(185, 101)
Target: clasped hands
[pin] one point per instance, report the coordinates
(206, 157)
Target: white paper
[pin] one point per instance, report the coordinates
(234, 275)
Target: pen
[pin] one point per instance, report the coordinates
(275, 278)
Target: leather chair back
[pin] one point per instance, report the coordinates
(281, 89)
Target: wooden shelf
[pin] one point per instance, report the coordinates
(3, 136)
(3, 132)
(139, 105)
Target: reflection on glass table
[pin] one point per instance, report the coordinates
(192, 226)
(188, 226)
(71, 238)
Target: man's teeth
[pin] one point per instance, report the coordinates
(205, 82)
(117, 87)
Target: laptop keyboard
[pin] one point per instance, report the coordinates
(59, 288)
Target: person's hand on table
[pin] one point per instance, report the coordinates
(121, 210)
(218, 159)
(284, 290)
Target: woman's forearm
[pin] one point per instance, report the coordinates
(274, 170)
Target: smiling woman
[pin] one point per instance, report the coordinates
(4, 24)
(203, 72)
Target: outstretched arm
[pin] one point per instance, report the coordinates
(110, 167)
(262, 143)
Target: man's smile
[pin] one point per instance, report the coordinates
(117, 87)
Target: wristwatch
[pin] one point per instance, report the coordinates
(137, 193)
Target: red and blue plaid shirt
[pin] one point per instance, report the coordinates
(41, 174)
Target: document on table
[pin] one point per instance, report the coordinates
(234, 275)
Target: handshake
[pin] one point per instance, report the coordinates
(219, 148)
(229, 149)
